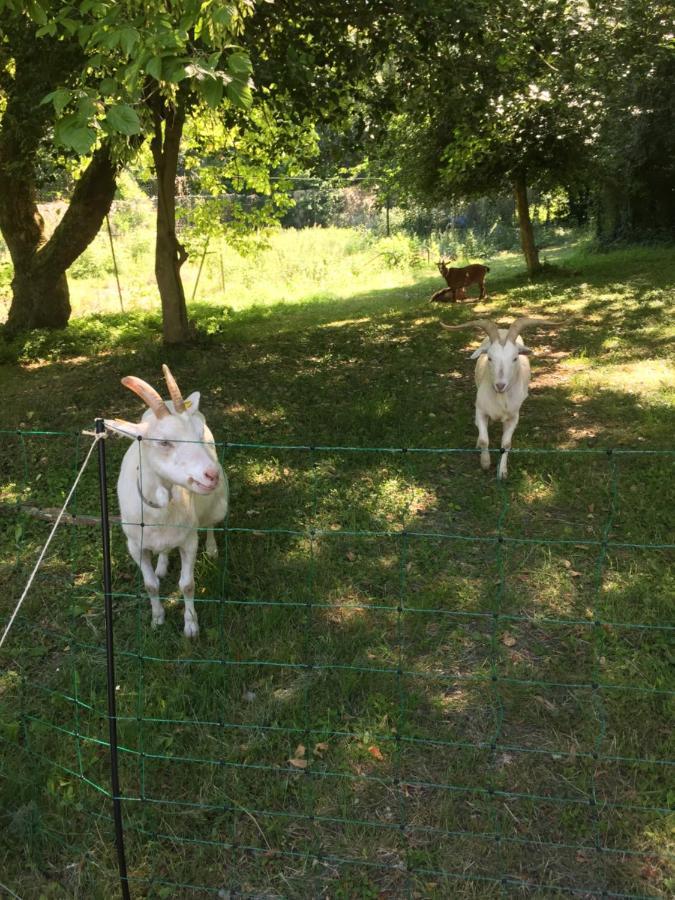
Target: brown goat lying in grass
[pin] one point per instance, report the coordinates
(459, 279)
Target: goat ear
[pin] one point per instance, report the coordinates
(192, 403)
(524, 351)
(131, 430)
(479, 351)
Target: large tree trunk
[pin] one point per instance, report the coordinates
(40, 296)
(39, 288)
(39, 299)
(525, 226)
(170, 254)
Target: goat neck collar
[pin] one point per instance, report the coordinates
(145, 499)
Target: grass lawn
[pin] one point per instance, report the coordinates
(386, 700)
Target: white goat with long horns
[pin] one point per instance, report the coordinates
(170, 485)
(502, 381)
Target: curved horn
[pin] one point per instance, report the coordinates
(489, 327)
(523, 322)
(174, 390)
(147, 394)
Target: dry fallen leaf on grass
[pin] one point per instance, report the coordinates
(544, 702)
(375, 752)
(298, 761)
(508, 639)
(321, 748)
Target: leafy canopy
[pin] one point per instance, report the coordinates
(130, 50)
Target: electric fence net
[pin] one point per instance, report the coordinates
(411, 680)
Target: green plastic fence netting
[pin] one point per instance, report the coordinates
(411, 680)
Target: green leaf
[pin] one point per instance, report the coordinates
(85, 109)
(154, 67)
(211, 90)
(175, 72)
(224, 15)
(49, 28)
(70, 25)
(239, 92)
(70, 132)
(108, 87)
(84, 34)
(128, 39)
(239, 64)
(36, 12)
(123, 119)
(61, 99)
(110, 39)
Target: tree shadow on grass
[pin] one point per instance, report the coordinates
(310, 638)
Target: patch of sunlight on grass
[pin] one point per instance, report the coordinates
(347, 605)
(265, 474)
(341, 323)
(536, 491)
(553, 586)
(577, 361)
(644, 378)
(459, 698)
(11, 492)
(8, 680)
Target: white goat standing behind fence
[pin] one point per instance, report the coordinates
(170, 485)
(502, 381)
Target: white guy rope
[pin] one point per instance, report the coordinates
(10, 893)
(97, 438)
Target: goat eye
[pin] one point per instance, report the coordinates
(165, 444)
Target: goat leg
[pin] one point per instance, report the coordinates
(188, 554)
(143, 559)
(482, 422)
(507, 434)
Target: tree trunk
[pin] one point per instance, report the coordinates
(40, 296)
(525, 226)
(170, 254)
(39, 287)
(40, 299)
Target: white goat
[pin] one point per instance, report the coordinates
(170, 484)
(502, 381)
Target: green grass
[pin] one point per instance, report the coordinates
(206, 765)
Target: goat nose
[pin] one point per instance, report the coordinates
(211, 475)
(500, 385)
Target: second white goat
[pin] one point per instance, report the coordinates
(170, 485)
(502, 381)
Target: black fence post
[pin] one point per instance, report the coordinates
(110, 660)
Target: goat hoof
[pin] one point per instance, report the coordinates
(485, 460)
(212, 549)
(157, 621)
(191, 629)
